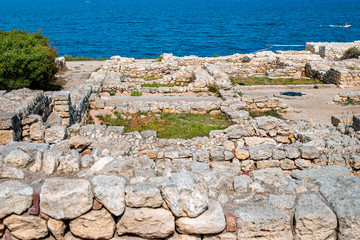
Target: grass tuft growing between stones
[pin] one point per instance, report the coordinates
(274, 81)
(272, 113)
(169, 125)
(136, 94)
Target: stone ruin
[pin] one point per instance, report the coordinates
(261, 178)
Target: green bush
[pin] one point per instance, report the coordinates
(26, 60)
(352, 52)
(136, 94)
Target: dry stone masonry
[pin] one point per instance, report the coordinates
(260, 178)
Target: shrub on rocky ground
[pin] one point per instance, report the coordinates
(352, 52)
(26, 60)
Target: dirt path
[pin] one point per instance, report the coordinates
(78, 72)
(316, 108)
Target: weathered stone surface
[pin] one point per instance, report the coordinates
(263, 221)
(68, 164)
(80, 143)
(143, 195)
(260, 153)
(217, 156)
(314, 219)
(57, 228)
(309, 152)
(63, 198)
(17, 158)
(94, 225)
(50, 162)
(255, 141)
(55, 134)
(241, 183)
(147, 222)
(69, 236)
(292, 152)
(343, 195)
(37, 163)
(10, 172)
(36, 131)
(15, 197)
(26, 227)
(177, 236)
(267, 123)
(209, 222)
(241, 153)
(221, 236)
(101, 164)
(185, 194)
(110, 191)
(328, 171)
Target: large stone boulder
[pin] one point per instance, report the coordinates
(57, 228)
(79, 143)
(17, 158)
(147, 222)
(314, 219)
(263, 221)
(63, 198)
(26, 227)
(343, 195)
(110, 191)
(211, 221)
(94, 225)
(10, 172)
(15, 197)
(185, 194)
(143, 195)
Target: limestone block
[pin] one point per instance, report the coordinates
(57, 228)
(55, 134)
(147, 222)
(263, 221)
(309, 152)
(79, 143)
(18, 158)
(10, 172)
(260, 153)
(97, 224)
(26, 227)
(185, 194)
(255, 141)
(50, 162)
(267, 123)
(36, 131)
(15, 197)
(314, 219)
(211, 221)
(68, 164)
(61, 96)
(110, 191)
(63, 198)
(143, 195)
(241, 153)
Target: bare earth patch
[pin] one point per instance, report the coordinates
(319, 108)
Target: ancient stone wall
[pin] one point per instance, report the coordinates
(333, 50)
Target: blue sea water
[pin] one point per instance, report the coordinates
(147, 28)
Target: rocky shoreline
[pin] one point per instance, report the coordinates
(260, 178)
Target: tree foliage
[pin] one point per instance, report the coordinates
(26, 60)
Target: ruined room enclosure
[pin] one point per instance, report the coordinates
(257, 178)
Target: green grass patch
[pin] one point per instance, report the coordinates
(275, 81)
(82, 58)
(214, 89)
(136, 94)
(272, 113)
(170, 125)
